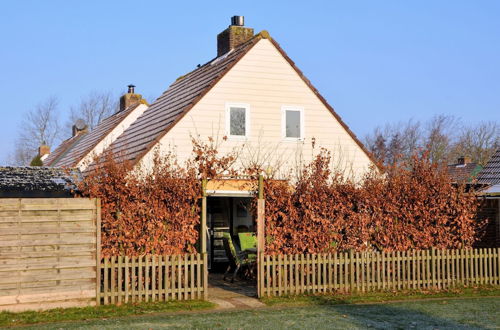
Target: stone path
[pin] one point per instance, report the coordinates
(226, 295)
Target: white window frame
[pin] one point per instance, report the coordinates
(246, 106)
(284, 109)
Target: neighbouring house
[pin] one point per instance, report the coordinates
(79, 150)
(489, 179)
(253, 94)
(37, 182)
(464, 171)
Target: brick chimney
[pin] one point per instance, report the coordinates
(43, 151)
(130, 99)
(235, 35)
(464, 160)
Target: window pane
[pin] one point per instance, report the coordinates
(292, 124)
(237, 121)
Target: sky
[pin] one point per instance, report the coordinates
(375, 62)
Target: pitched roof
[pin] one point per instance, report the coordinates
(490, 174)
(88, 142)
(62, 149)
(35, 181)
(463, 172)
(184, 93)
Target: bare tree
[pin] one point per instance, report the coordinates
(444, 137)
(39, 126)
(440, 137)
(478, 142)
(93, 108)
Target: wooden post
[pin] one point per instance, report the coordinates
(204, 237)
(260, 236)
(98, 252)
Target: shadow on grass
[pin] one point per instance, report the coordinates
(384, 316)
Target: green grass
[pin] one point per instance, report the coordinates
(100, 312)
(477, 305)
(467, 313)
(377, 297)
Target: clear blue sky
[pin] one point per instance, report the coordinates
(374, 61)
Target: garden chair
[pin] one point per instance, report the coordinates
(248, 241)
(237, 261)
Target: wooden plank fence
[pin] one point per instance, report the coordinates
(374, 271)
(48, 249)
(152, 278)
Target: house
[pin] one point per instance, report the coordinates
(80, 149)
(253, 94)
(489, 178)
(464, 170)
(36, 182)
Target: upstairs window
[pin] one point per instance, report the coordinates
(293, 123)
(237, 120)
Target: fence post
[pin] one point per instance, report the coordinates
(260, 235)
(98, 251)
(204, 237)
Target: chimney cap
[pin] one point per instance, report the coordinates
(238, 20)
(131, 88)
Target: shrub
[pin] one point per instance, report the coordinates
(415, 205)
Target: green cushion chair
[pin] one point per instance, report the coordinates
(237, 261)
(248, 241)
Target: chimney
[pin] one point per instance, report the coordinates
(43, 151)
(464, 160)
(235, 35)
(79, 127)
(130, 98)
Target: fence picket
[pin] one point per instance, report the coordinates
(119, 285)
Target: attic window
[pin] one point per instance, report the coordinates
(237, 120)
(293, 123)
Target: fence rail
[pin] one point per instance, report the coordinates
(152, 278)
(373, 271)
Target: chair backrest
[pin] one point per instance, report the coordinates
(247, 241)
(230, 249)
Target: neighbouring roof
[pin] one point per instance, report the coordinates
(36, 181)
(62, 149)
(89, 141)
(490, 174)
(184, 93)
(463, 172)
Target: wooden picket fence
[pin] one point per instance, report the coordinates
(152, 278)
(374, 271)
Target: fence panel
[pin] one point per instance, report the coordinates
(152, 278)
(48, 249)
(371, 271)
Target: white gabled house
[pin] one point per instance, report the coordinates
(253, 93)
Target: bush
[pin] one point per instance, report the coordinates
(414, 205)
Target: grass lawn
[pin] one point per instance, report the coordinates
(443, 314)
(374, 297)
(100, 312)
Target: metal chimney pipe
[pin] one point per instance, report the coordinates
(238, 20)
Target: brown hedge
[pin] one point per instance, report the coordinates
(414, 205)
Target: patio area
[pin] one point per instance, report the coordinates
(239, 294)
